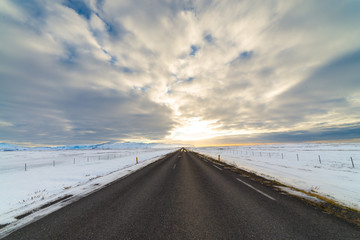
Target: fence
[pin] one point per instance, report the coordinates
(331, 158)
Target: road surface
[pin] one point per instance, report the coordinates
(185, 197)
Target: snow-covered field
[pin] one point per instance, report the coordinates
(323, 169)
(53, 174)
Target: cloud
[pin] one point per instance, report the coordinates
(71, 93)
(72, 115)
(292, 82)
(96, 70)
(325, 93)
(338, 133)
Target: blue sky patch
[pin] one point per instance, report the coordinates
(208, 38)
(113, 59)
(246, 54)
(181, 80)
(112, 28)
(190, 79)
(100, 4)
(194, 50)
(126, 70)
(80, 7)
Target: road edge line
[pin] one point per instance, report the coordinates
(266, 195)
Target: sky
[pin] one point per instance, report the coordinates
(193, 72)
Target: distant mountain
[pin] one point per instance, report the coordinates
(109, 145)
(11, 147)
(124, 145)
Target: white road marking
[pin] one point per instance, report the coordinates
(217, 167)
(256, 190)
(174, 166)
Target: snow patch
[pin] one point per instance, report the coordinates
(299, 194)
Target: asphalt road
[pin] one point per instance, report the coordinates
(185, 197)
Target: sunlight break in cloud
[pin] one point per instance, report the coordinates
(90, 71)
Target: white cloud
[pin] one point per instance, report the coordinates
(243, 66)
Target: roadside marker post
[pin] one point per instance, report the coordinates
(219, 158)
(137, 160)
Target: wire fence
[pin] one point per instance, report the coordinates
(337, 158)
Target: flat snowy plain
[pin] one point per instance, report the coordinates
(321, 169)
(54, 174)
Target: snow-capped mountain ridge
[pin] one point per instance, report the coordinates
(11, 147)
(108, 145)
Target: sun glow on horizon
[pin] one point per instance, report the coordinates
(196, 129)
